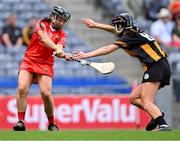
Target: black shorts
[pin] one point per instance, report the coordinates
(158, 72)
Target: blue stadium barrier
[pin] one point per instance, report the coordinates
(110, 84)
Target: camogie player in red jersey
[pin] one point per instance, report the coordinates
(48, 39)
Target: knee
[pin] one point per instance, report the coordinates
(45, 93)
(22, 90)
(132, 99)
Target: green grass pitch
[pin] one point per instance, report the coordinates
(93, 135)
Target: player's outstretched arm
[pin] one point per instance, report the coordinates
(98, 52)
(92, 24)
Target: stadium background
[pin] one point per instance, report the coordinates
(71, 79)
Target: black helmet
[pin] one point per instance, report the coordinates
(122, 21)
(60, 12)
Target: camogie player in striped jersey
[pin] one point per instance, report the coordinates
(140, 45)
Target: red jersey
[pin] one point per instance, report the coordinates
(37, 51)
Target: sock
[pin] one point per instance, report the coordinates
(51, 119)
(21, 116)
(160, 121)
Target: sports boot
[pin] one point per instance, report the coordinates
(164, 128)
(53, 127)
(19, 126)
(152, 124)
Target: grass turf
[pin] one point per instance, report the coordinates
(90, 135)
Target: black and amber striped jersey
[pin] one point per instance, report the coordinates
(141, 46)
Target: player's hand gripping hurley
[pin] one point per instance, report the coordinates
(104, 68)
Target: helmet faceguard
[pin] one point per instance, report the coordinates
(59, 17)
(122, 21)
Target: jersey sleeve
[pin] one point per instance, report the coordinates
(62, 39)
(121, 42)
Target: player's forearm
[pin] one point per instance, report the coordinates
(95, 53)
(58, 49)
(46, 40)
(106, 27)
(44, 37)
(49, 43)
(101, 51)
